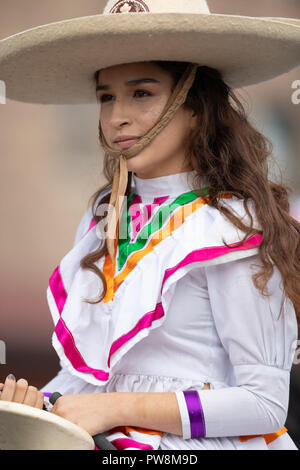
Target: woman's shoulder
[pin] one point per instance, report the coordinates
(215, 222)
(88, 216)
(234, 204)
(104, 192)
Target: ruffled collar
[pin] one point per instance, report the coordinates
(163, 186)
(141, 280)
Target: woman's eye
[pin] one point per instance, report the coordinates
(105, 98)
(142, 91)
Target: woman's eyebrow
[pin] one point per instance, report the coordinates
(139, 81)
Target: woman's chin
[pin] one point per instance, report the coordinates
(136, 165)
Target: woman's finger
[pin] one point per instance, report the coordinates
(20, 391)
(40, 400)
(8, 390)
(31, 396)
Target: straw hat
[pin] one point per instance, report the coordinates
(55, 63)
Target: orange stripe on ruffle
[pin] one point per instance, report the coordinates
(127, 429)
(267, 437)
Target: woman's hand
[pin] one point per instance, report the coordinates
(94, 412)
(20, 392)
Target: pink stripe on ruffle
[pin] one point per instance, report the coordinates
(213, 252)
(92, 224)
(66, 339)
(160, 200)
(145, 322)
(123, 443)
(64, 335)
(58, 289)
(140, 214)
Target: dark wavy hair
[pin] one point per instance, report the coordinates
(234, 158)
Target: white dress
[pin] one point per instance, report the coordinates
(180, 311)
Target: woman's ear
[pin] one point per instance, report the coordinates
(193, 120)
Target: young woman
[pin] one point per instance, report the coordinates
(191, 341)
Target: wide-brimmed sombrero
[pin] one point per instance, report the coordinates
(55, 63)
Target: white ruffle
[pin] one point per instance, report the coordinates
(93, 330)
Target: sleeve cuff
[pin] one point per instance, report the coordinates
(192, 418)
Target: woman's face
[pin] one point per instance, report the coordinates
(133, 109)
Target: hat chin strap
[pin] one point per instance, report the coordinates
(120, 180)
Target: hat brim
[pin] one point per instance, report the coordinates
(55, 63)
(24, 427)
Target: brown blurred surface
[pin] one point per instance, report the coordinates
(51, 164)
(38, 366)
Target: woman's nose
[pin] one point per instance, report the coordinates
(120, 113)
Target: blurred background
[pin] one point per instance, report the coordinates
(51, 163)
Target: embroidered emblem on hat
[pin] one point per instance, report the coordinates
(133, 6)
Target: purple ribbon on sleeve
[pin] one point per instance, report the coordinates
(195, 411)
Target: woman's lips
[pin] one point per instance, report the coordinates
(126, 143)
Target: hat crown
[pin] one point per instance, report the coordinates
(156, 6)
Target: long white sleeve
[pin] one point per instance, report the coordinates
(260, 346)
